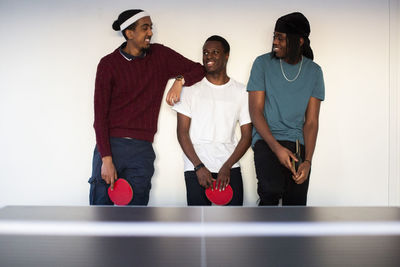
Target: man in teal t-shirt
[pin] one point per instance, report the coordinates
(285, 91)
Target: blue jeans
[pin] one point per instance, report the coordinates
(133, 160)
(196, 194)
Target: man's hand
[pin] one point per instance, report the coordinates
(285, 157)
(174, 93)
(108, 172)
(204, 177)
(302, 172)
(223, 178)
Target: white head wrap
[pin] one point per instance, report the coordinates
(133, 19)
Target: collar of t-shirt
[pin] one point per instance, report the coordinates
(129, 56)
(210, 84)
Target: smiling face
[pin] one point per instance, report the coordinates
(288, 47)
(214, 57)
(140, 36)
(279, 45)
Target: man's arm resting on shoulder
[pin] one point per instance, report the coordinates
(256, 108)
(203, 174)
(310, 131)
(181, 67)
(173, 95)
(241, 148)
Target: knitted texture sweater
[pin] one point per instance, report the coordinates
(128, 93)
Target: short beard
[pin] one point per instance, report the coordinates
(273, 54)
(145, 50)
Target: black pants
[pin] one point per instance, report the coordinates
(275, 181)
(196, 194)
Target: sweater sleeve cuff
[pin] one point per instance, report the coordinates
(104, 149)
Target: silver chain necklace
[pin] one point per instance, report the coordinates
(295, 78)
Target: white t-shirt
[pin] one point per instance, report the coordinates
(215, 111)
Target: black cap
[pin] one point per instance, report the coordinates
(293, 23)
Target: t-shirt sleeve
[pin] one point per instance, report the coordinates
(319, 87)
(183, 106)
(257, 76)
(244, 116)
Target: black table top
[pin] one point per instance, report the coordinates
(39, 247)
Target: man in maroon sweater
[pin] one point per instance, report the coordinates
(129, 87)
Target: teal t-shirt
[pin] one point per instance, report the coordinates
(285, 102)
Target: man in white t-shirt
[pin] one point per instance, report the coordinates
(208, 113)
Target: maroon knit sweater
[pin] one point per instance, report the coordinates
(128, 94)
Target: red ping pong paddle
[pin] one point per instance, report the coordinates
(217, 197)
(122, 193)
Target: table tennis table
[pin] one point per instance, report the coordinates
(199, 236)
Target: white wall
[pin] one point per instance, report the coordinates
(49, 51)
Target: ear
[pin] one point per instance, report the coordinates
(301, 41)
(129, 34)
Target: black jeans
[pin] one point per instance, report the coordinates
(196, 194)
(274, 180)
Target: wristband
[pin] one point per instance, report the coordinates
(179, 78)
(201, 165)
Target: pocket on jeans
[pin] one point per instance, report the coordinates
(92, 190)
(97, 191)
(95, 180)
